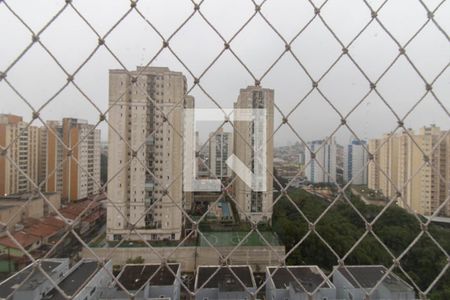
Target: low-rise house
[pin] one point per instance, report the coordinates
(10, 215)
(88, 215)
(83, 281)
(10, 248)
(13, 209)
(146, 281)
(30, 283)
(223, 282)
(45, 232)
(354, 282)
(298, 283)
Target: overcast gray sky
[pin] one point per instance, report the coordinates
(37, 77)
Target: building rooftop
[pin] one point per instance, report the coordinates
(134, 276)
(53, 221)
(73, 210)
(310, 278)
(233, 238)
(22, 238)
(368, 276)
(78, 276)
(24, 196)
(224, 279)
(30, 277)
(42, 230)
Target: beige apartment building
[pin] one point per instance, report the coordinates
(384, 171)
(145, 160)
(256, 205)
(22, 142)
(424, 187)
(78, 176)
(220, 148)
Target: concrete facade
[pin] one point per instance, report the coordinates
(220, 148)
(82, 169)
(355, 162)
(73, 176)
(252, 204)
(322, 166)
(147, 114)
(39, 154)
(398, 166)
(36, 207)
(19, 173)
(191, 257)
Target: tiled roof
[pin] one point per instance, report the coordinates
(23, 238)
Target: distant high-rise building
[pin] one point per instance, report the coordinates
(77, 175)
(339, 163)
(52, 156)
(323, 168)
(355, 162)
(22, 144)
(220, 148)
(398, 168)
(145, 153)
(257, 205)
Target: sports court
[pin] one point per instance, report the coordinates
(228, 239)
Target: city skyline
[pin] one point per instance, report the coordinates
(224, 149)
(344, 85)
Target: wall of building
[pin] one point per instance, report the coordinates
(191, 257)
(322, 169)
(355, 163)
(45, 286)
(255, 205)
(11, 215)
(399, 166)
(140, 123)
(101, 279)
(20, 171)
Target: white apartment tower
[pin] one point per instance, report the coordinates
(355, 162)
(220, 148)
(322, 165)
(257, 205)
(145, 157)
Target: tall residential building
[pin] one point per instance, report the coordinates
(373, 170)
(340, 163)
(424, 187)
(22, 142)
(146, 111)
(323, 168)
(355, 162)
(80, 173)
(257, 205)
(383, 170)
(77, 176)
(220, 148)
(52, 156)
